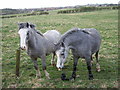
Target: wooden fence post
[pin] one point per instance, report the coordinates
(17, 62)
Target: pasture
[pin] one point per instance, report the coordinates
(105, 21)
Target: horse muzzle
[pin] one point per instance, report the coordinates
(59, 69)
(23, 48)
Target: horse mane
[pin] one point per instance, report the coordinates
(23, 25)
(70, 32)
(38, 32)
(29, 25)
(33, 27)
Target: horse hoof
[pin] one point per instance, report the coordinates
(98, 70)
(59, 69)
(53, 65)
(98, 67)
(63, 77)
(38, 77)
(91, 77)
(72, 79)
(48, 78)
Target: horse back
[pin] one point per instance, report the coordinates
(87, 42)
(52, 35)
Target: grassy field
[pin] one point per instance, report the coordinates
(105, 21)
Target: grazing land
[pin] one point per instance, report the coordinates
(105, 21)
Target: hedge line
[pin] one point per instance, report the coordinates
(85, 9)
(22, 15)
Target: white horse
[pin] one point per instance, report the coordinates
(38, 45)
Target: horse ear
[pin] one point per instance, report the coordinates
(20, 25)
(27, 24)
(32, 26)
(63, 45)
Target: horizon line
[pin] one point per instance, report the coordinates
(58, 6)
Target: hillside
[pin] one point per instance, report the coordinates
(8, 11)
(105, 21)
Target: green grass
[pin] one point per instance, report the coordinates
(105, 21)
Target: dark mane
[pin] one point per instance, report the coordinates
(71, 31)
(28, 25)
(38, 32)
(23, 25)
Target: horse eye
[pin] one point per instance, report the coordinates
(62, 53)
(27, 33)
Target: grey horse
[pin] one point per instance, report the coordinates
(38, 45)
(83, 44)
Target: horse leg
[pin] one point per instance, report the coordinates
(91, 60)
(74, 67)
(38, 74)
(53, 59)
(88, 61)
(44, 66)
(97, 64)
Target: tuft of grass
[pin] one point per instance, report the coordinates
(104, 21)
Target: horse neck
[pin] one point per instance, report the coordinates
(67, 41)
(32, 40)
(71, 40)
(35, 38)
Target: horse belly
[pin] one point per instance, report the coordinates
(95, 46)
(33, 53)
(49, 48)
(82, 50)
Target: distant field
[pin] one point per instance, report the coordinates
(105, 21)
